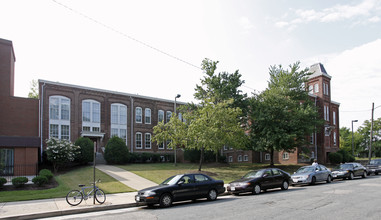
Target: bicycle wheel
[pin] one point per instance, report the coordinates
(74, 197)
(100, 196)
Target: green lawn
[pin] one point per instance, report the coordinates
(158, 172)
(67, 181)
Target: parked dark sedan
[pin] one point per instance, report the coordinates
(374, 166)
(179, 188)
(257, 180)
(349, 171)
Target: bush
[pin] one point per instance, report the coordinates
(2, 181)
(347, 157)
(193, 155)
(19, 181)
(46, 173)
(86, 154)
(116, 151)
(335, 158)
(40, 180)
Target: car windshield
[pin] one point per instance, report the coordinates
(171, 180)
(374, 162)
(306, 170)
(344, 166)
(253, 174)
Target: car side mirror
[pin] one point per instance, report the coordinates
(265, 175)
(181, 182)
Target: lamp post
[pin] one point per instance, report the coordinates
(353, 151)
(174, 147)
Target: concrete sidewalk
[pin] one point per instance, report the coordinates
(56, 207)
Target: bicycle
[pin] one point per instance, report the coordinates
(75, 197)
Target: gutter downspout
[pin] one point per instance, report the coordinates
(316, 153)
(132, 124)
(41, 118)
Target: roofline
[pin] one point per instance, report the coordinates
(109, 91)
(9, 43)
(333, 102)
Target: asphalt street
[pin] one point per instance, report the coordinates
(350, 199)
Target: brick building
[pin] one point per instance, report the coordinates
(19, 137)
(324, 141)
(71, 111)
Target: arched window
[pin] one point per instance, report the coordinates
(147, 116)
(59, 117)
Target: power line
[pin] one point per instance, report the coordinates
(362, 110)
(125, 35)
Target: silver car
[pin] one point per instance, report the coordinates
(311, 175)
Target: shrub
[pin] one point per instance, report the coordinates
(2, 181)
(19, 181)
(60, 152)
(46, 173)
(116, 151)
(193, 155)
(347, 157)
(335, 158)
(40, 180)
(86, 153)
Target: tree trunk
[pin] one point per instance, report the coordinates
(201, 158)
(272, 158)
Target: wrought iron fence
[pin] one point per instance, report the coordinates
(23, 170)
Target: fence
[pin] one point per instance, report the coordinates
(25, 170)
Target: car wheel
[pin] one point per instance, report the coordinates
(285, 185)
(212, 195)
(364, 175)
(329, 179)
(165, 200)
(351, 176)
(257, 189)
(313, 180)
(376, 173)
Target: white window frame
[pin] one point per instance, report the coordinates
(61, 106)
(147, 116)
(334, 138)
(286, 156)
(230, 159)
(334, 117)
(160, 114)
(168, 116)
(312, 138)
(161, 146)
(136, 140)
(267, 156)
(138, 115)
(147, 144)
(94, 122)
(311, 89)
(118, 121)
(245, 157)
(316, 88)
(239, 158)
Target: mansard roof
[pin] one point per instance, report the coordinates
(318, 70)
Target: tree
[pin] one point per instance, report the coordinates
(34, 90)
(282, 116)
(214, 125)
(346, 141)
(364, 132)
(60, 152)
(86, 154)
(173, 131)
(116, 151)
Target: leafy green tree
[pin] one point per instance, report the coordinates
(173, 131)
(346, 141)
(60, 152)
(214, 125)
(282, 116)
(86, 154)
(33, 90)
(364, 131)
(116, 151)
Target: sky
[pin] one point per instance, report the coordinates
(155, 48)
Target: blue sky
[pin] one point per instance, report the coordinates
(98, 43)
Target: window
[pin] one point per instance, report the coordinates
(147, 116)
(169, 115)
(326, 113)
(316, 88)
(334, 138)
(91, 115)
(138, 140)
(334, 118)
(160, 115)
(7, 161)
(180, 116)
(230, 159)
(200, 178)
(225, 147)
(239, 158)
(312, 138)
(286, 156)
(161, 146)
(138, 115)
(312, 154)
(276, 171)
(168, 143)
(325, 89)
(147, 141)
(310, 89)
(59, 117)
(267, 156)
(245, 158)
(119, 121)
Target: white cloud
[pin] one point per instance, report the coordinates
(366, 9)
(246, 23)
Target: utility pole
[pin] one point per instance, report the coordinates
(371, 134)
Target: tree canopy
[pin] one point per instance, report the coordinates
(283, 115)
